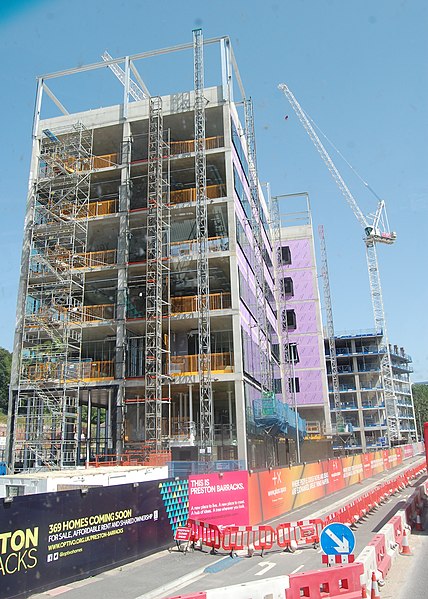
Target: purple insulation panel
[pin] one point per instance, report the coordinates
(303, 284)
(310, 382)
(306, 317)
(301, 253)
(305, 303)
(308, 350)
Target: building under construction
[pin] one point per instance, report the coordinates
(362, 393)
(152, 319)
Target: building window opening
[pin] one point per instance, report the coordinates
(288, 287)
(294, 385)
(285, 254)
(289, 319)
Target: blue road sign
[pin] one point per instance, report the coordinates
(337, 539)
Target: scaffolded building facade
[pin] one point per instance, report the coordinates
(147, 313)
(362, 393)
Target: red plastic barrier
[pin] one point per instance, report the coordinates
(261, 537)
(426, 441)
(309, 531)
(235, 538)
(303, 532)
(208, 534)
(200, 595)
(398, 529)
(338, 581)
(285, 533)
(383, 559)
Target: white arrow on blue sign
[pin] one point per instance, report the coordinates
(337, 539)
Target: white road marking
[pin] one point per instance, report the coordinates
(297, 569)
(265, 567)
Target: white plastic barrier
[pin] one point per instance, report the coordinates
(390, 544)
(402, 515)
(274, 588)
(368, 558)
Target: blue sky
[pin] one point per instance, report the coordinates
(358, 67)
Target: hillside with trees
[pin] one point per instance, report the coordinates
(420, 400)
(5, 366)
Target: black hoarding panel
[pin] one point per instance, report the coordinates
(54, 538)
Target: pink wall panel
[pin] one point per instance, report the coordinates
(306, 317)
(301, 253)
(310, 387)
(309, 356)
(303, 284)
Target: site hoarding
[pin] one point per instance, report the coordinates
(47, 540)
(219, 498)
(53, 538)
(241, 498)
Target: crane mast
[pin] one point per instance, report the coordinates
(373, 234)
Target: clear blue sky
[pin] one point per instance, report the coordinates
(358, 67)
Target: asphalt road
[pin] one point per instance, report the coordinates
(172, 573)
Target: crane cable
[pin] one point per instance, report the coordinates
(342, 156)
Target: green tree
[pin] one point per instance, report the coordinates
(420, 399)
(5, 366)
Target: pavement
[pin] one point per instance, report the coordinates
(172, 572)
(408, 577)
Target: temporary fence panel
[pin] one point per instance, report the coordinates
(383, 559)
(367, 558)
(339, 581)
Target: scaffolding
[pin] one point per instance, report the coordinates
(281, 304)
(270, 412)
(266, 376)
(342, 432)
(204, 329)
(157, 273)
(46, 407)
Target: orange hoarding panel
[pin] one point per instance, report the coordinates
(275, 492)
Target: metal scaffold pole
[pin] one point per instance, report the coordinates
(340, 427)
(261, 319)
(154, 279)
(281, 301)
(50, 366)
(204, 330)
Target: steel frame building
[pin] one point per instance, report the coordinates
(147, 310)
(362, 394)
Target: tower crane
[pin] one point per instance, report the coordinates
(375, 228)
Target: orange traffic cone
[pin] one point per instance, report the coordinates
(364, 591)
(405, 549)
(375, 588)
(418, 522)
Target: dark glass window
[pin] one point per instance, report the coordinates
(285, 254)
(296, 385)
(289, 319)
(236, 140)
(288, 286)
(292, 353)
